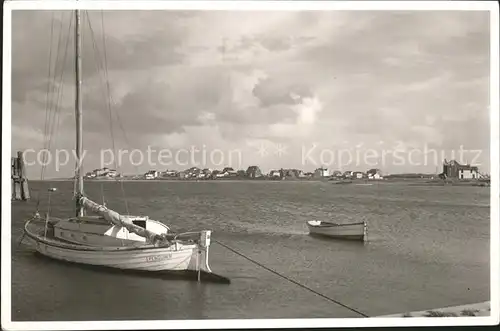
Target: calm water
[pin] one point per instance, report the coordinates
(428, 247)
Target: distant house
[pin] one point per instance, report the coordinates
(321, 172)
(104, 172)
(374, 174)
(229, 172)
(217, 174)
(112, 173)
(193, 172)
(337, 174)
(253, 172)
(358, 175)
(101, 172)
(275, 173)
(292, 173)
(169, 173)
(152, 174)
(213, 174)
(453, 169)
(202, 174)
(90, 175)
(348, 174)
(300, 174)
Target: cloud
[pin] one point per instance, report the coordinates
(236, 79)
(277, 90)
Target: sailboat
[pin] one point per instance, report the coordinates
(108, 238)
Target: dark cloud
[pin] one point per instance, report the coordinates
(129, 52)
(409, 37)
(276, 90)
(277, 44)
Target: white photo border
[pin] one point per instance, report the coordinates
(491, 6)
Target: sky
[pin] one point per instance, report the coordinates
(347, 90)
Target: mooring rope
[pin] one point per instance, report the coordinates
(291, 280)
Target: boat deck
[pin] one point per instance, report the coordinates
(36, 231)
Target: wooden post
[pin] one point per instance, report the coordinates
(20, 188)
(24, 179)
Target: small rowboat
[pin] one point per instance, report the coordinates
(349, 231)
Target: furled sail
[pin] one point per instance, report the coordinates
(118, 220)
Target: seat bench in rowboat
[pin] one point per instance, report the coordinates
(349, 231)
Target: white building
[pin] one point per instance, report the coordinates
(470, 173)
(374, 174)
(153, 174)
(274, 173)
(321, 172)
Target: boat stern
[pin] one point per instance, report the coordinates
(199, 259)
(205, 240)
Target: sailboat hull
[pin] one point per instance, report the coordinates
(147, 260)
(176, 257)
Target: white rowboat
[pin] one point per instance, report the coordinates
(349, 231)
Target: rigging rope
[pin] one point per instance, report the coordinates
(111, 97)
(47, 103)
(53, 111)
(102, 66)
(109, 103)
(290, 280)
(53, 90)
(60, 92)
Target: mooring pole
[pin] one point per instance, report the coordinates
(24, 179)
(16, 189)
(20, 188)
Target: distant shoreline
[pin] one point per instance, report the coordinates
(408, 181)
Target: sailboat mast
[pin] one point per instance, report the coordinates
(78, 111)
